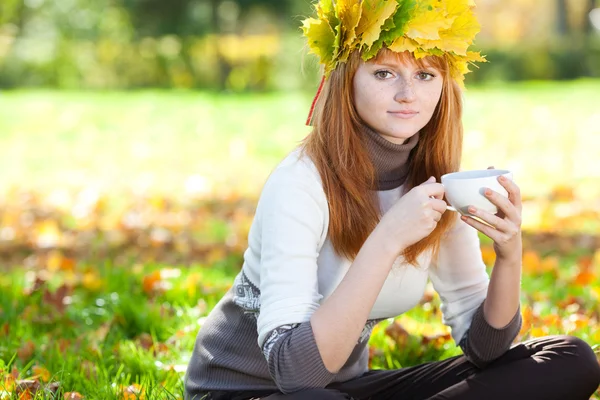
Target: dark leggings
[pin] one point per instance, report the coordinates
(548, 368)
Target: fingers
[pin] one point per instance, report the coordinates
(506, 208)
(496, 222)
(514, 192)
(438, 205)
(433, 189)
(435, 192)
(487, 230)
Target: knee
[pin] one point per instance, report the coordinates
(585, 363)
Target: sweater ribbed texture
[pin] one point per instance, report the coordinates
(484, 343)
(390, 159)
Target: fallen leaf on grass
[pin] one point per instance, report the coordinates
(133, 392)
(585, 278)
(73, 396)
(151, 282)
(552, 320)
(437, 340)
(527, 317)
(57, 298)
(146, 342)
(41, 373)
(92, 281)
(27, 388)
(56, 261)
(576, 321)
(537, 331)
(397, 333)
(8, 381)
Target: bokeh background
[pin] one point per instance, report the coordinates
(135, 136)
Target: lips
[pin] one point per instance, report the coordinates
(404, 114)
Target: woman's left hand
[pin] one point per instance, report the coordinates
(505, 229)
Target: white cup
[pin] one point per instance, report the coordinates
(466, 188)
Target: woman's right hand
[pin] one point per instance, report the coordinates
(414, 216)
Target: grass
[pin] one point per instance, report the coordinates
(124, 332)
(178, 141)
(109, 338)
(118, 328)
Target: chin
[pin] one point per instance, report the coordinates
(403, 135)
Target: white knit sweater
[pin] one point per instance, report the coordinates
(292, 261)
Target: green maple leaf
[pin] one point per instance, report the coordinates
(321, 38)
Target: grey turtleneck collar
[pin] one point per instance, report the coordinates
(390, 159)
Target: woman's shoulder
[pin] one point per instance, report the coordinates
(297, 168)
(294, 181)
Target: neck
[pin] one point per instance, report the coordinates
(390, 159)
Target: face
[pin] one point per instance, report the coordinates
(395, 96)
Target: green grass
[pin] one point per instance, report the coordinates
(153, 141)
(96, 346)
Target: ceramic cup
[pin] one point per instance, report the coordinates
(466, 188)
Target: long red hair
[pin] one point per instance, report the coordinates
(336, 147)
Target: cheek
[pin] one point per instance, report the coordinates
(367, 98)
(433, 98)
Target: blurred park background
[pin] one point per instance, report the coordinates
(136, 135)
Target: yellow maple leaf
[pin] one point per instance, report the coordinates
(374, 14)
(448, 42)
(456, 7)
(420, 53)
(460, 64)
(349, 13)
(428, 22)
(466, 26)
(403, 44)
(320, 38)
(460, 36)
(474, 56)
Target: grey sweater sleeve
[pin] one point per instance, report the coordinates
(294, 359)
(483, 343)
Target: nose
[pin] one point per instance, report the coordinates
(405, 92)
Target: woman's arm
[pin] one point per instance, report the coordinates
(504, 292)
(338, 323)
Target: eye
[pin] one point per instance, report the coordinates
(425, 76)
(383, 74)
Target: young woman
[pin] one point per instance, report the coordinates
(352, 224)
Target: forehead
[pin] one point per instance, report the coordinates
(405, 59)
